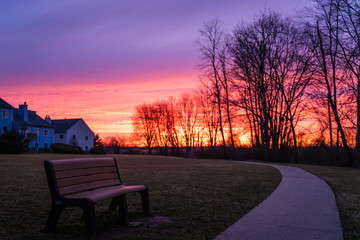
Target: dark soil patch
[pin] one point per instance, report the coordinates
(142, 224)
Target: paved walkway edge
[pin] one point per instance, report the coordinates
(303, 206)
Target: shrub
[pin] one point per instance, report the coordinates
(13, 142)
(65, 148)
(98, 150)
(98, 145)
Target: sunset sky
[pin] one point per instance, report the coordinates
(97, 60)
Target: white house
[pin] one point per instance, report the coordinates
(74, 132)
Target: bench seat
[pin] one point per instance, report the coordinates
(107, 192)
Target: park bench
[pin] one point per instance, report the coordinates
(84, 182)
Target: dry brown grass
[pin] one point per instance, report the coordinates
(201, 198)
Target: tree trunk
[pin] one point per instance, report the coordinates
(342, 134)
(330, 134)
(294, 136)
(358, 117)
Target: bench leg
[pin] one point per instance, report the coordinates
(90, 221)
(113, 205)
(53, 218)
(145, 202)
(120, 201)
(123, 210)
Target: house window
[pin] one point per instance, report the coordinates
(74, 136)
(5, 114)
(86, 138)
(46, 145)
(36, 145)
(37, 131)
(27, 131)
(61, 136)
(4, 129)
(46, 132)
(87, 148)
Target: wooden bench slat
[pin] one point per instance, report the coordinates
(81, 172)
(85, 179)
(108, 192)
(81, 163)
(88, 186)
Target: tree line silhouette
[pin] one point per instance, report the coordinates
(278, 81)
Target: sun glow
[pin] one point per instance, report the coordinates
(106, 107)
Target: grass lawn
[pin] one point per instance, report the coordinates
(345, 182)
(194, 199)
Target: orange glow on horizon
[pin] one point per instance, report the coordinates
(106, 107)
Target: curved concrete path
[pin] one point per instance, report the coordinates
(302, 207)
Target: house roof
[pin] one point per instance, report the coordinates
(33, 120)
(4, 104)
(63, 125)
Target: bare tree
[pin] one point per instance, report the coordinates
(144, 124)
(172, 124)
(209, 116)
(324, 33)
(112, 145)
(349, 42)
(273, 70)
(166, 125)
(214, 66)
(188, 119)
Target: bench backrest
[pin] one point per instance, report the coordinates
(77, 175)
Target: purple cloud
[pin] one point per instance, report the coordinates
(50, 41)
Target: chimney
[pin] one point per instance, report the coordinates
(48, 119)
(23, 112)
